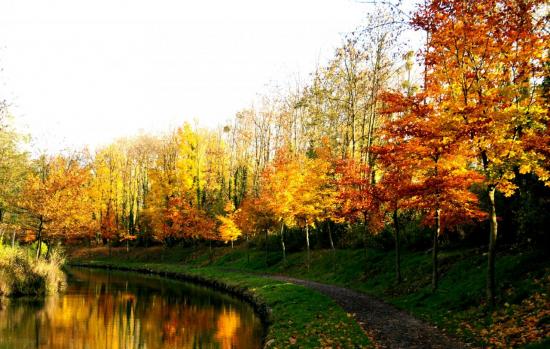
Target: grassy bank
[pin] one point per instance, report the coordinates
(23, 275)
(298, 317)
(523, 278)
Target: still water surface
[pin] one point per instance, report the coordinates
(122, 310)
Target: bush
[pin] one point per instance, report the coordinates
(51, 271)
(20, 274)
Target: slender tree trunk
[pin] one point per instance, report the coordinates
(266, 250)
(435, 250)
(491, 282)
(13, 238)
(332, 247)
(307, 244)
(39, 246)
(39, 239)
(397, 248)
(365, 236)
(247, 251)
(283, 242)
(231, 244)
(110, 249)
(127, 246)
(48, 250)
(330, 236)
(1, 230)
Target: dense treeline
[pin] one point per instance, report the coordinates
(452, 139)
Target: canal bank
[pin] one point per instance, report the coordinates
(295, 316)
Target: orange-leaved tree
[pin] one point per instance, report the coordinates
(255, 216)
(484, 66)
(55, 201)
(358, 197)
(440, 179)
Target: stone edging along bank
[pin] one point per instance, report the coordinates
(242, 293)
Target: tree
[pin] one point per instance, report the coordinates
(229, 231)
(484, 63)
(55, 201)
(254, 216)
(280, 184)
(13, 170)
(394, 186)
(358, 197)
(440, 178)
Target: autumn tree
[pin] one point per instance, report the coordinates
(316, 193)
(484, 63)
(254, 217)
(440, 178)
(229, 230)
(13, 169)
(54, 199)
(358, 197)
(280, 184)
(394, 186)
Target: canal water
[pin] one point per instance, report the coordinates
(103, 309)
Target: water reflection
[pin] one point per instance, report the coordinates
(116, 310)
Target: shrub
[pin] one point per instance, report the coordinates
(20, 274)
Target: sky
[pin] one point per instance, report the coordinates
(79, 73)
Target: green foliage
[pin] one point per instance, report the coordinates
(33, 247)
(455, 304)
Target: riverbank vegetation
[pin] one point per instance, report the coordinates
(21, 274)
(523, 274)
(442, 151)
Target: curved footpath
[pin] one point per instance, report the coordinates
(387, 325)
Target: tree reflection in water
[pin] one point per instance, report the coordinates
(115, 310)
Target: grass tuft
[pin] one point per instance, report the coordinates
(21, 274)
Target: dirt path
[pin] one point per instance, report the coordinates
(389, 326)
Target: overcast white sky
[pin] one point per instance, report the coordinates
(85, 72)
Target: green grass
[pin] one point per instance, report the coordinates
(298, 314)
(458, 301)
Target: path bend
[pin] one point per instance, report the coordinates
(389, 326)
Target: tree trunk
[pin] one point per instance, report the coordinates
(266, 250)
(330, 236)
(332, 247)
(13, 239)
(231, 244)
(397, 248)
(283, 242)
(48, 250)
(307, 245)
(491, 282)
(435, 250)
(39, 239)
(247, 252)
(127, 246)
(39, 246)
(365, 236)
